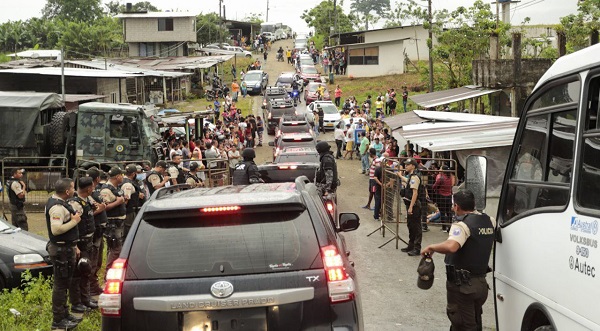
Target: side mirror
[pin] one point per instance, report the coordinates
(476, 179)
(271, 143)
(348, 222)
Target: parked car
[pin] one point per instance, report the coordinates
(240, 50)
(246, 257)
(19, 251)
(256, 81)
(331, 115)
(269, 35)
(310, 92)
(309, 74)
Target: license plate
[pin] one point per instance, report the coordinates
(226, 320)
(328, 124)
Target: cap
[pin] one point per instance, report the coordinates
(425, 271)
(161, 164)
(93, 172)
(115, 171)
(410, 161)
(131, 168)
(194, 166)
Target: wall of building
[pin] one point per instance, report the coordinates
(415, 47)
(134, 49)
(146, 30)
(389, 61)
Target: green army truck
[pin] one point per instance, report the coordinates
(36, 130)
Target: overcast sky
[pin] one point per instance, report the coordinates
(289, 11)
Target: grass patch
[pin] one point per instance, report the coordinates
(34, 302)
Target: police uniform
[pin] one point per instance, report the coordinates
(246, 172)
(62, 252)
(131, 190)
(100, 221)
(327, 176)
(116, 221)
(413, 221)
(176, 172)
(17, 211)
(466, 269)
(79, 291)
(153, 178)
(193, 180)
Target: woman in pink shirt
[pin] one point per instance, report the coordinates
(338, 95)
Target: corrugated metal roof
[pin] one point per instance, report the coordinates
(440, 98)
(82, 97)
(71, 72)
(176, 63)
(37, 53)
(400, 120)
(451, 136)
(101, 64)
(422, 116)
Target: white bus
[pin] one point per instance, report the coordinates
(269, 27)
(546, 256)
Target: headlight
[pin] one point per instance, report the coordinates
(257, 84)
(26, 261)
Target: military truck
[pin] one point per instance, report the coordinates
(36, 130)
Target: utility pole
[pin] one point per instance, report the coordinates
(267, 11)
(430, 44)
(335, 16)
(62, 73)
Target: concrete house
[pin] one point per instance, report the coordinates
(159, 34)
(383, 51)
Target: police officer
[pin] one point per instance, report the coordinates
(326, 178)
(116, 211)
(100, 220)
(413, 190)
(192, 178)
(156, 178)
(467, 250)
(246, 172)
(16, 196)
(62, 221)
(84, 205)
(133, 194)
(176, 170)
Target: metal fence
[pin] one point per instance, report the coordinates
(39, 180)
(393, 210)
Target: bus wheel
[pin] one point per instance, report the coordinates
(544, 328)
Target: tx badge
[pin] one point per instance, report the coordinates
(222, 289)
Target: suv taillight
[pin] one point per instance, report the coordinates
(110, 301)
(340, 285)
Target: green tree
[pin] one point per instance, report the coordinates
(209, 28)
(253, 18)
(405, 13)
(577, 27)
(320, 18)
(364, 8)
(462, 36)
(73, 10)
(115, 8)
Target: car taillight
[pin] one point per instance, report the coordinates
(287, 167)
(340, 285)
(110, 301)
(269, 115)
(329, 206)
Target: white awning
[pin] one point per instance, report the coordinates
(452, 136)
(445, 97)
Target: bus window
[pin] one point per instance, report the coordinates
(557, 95)
(542, 173)
(588, 195)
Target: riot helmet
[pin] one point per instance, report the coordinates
(323, 147)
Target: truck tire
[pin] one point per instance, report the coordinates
(58, 132)
(544, 328)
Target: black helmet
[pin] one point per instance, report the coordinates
(322, 147)
(84, 266)
(248, 154)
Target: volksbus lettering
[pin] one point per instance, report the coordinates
(581, 240)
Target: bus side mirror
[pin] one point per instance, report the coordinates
(476, 179)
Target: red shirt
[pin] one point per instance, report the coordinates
(443, 185)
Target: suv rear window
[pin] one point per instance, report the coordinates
(218, 245)
(300, 158)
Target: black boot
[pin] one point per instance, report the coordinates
(407, 249)
(65, 324)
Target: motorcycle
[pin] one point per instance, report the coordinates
(213, 94)
(295, 95)
(280, 57)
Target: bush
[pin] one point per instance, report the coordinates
(34, 302)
